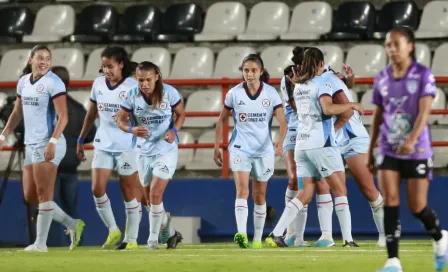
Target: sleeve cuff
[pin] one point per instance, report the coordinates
(93, 101)
(19, 96)
(227, 107)
(338, 91)
(57, 95)
(126, 109)
(176, 104)
(324, 94)
(278, 106)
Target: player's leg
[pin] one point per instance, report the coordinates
(29, 186)
(127, 170)
(356, 158)
(417, 195)
(389, 179)
(102, 166)
(324, 203)
(241, 168)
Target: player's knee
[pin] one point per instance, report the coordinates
(416, 207)
(392, 200)
(292, 181)
(98, 191)
(259, 197)
(155, 196)
(370, 193)
(31, 198)
(242, 192)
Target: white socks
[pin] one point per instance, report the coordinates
(290, 194)
(132, 221)
(325, 214)
(241, 213)
(344, 216)
(378, 214)
(294, 206)
(44, 222)
(104, 209)
(300, 223)
(61, 217)
(155, 221)
(259, 220)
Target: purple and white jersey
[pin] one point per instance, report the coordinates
(400, 100)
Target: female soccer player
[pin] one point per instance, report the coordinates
(316, 153)
(403, 93)
(41, 102)
(153, 104)
(113, 147)
(254, 103)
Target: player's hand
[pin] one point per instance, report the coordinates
(49, 152)
(358, 107)
(80, 152)
(170, 136)
(217, 157)
(294, 78)
(278, 148)
(406, 148)
(140, 131)
(371, 163)
(348, 71)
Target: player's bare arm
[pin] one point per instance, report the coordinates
(219, 128)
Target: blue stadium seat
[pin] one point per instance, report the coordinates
(393, 14)
(180, 23)
(14, 23)
(138, 23)
(96, 23)
(353, 21)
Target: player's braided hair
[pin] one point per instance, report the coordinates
(408, 33)
(156, 97)
(28, 69)
(121, 56)
(256, 58)
(308, 69)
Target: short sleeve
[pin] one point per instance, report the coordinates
(228, 103)
(338, 84)
(276, 99)
(325, 88)
(57, 89)
(283, 89)
(377, 98)
(174, 98)
(93, 93)
(127, 103)
(428, 84)
(20, 86)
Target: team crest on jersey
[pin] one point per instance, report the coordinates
(243, 117)
(293, 139)
(40, 88)
(123, 95)
(163, 106)
(237, 160)
(138, 110)
(266, 103)
(411, 85)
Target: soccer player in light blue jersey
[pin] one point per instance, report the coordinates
(152, 104)
(316, 153)
(41, 102)
(253, 104)
(114, 149)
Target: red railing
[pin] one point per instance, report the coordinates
(225, 84)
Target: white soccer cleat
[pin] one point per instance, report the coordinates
(36, 248)
(153, 245)
(392, 265)
(381, 241)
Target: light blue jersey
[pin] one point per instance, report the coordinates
(252, 115)
(291, 115)
(354, 126)
(39, 114)
(158, 120)
(108, 99)
(315, 130)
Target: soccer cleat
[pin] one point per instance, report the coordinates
(323, 243)
(349, 244)
(36, 248)
(131, 246)
(113, 238)
(275, 241)
(76, 234)
(392, 265)
(301, 244)
(441, 252)
(174, 240)
(153, 245)
(257, 244)
(289, 240)
(164, 233)
(241, 240)
(381, 241)
(121, 246)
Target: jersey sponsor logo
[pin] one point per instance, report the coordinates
(237, 160)
(138, 110)
(266, 103)
(108, 107)
(153, 119)
(241, 103)
(243, 117)
(384, 90)
(143, 120)
(123, 95)
(430, 88)
(398, 101)
(421, 169)
(126, 166)
(411, 86)
(100, 106)
(252, 117)
(164, 169)
(30, 101)
(40, 88)
(163, 106)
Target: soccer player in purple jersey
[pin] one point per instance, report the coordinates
(403, 94)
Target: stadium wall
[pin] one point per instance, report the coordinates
(213, 201)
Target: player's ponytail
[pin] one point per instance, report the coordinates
(119, 54)
(157, 95)
(408, 33)
(28, 69)
(256, 58)
(310, 65)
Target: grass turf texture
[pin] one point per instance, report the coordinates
(416, 255)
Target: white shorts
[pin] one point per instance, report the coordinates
(34, 153)
(354, 147)
(123, 162)
(162, 166)
(318, 163)
(261, 168)
(290, 141)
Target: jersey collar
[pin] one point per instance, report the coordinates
(32, 81)
(116, 85)
(257, 94)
